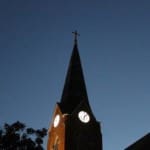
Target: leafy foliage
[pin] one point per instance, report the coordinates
(18, 137)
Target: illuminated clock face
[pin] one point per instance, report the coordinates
(56, 120)
(84, 116)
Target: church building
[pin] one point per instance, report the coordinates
(73, 125)
(141, 144)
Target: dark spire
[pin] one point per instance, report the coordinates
(74, 91)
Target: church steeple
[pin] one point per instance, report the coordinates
(74, 91)
(74, 126)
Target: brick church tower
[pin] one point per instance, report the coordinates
(73, 125)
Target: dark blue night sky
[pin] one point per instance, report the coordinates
(35, 47)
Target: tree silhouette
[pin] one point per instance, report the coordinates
(18, 137)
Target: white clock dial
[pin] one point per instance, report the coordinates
(84, 116)
(56, 120)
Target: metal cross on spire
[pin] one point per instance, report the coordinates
(76, 34)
